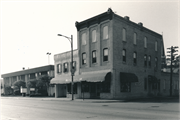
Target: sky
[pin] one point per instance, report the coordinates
(28, 29)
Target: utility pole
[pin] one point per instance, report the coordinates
(172, 57)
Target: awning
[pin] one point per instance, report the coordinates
(152, 79)
(128, 77)
(89, 77)
(94, 77)
(61, 80)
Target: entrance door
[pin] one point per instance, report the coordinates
(92, 90)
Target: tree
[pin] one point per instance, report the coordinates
(8, 89)
(32, 84)
(17, 84)
(43, 80)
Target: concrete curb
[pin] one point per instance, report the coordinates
(64, 99)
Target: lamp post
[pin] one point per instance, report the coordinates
(48, 56)
(72, 70)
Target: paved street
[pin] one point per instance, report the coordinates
(64, 109)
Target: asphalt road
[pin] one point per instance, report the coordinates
(34, 109)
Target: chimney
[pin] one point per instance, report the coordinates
(140, 23)
(126, 18)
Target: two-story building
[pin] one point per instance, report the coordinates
(28, 75)
(116, 58)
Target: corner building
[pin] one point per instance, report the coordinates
(117, 58)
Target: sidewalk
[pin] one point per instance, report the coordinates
(151, 99)
(62, 99)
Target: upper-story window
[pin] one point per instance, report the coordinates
(105, 32)
(105, 54)
(156, 45)
(149, 61)
(59, 68)
(74, 65)
(83, 38)
(156, 62)
(145, 60)
(135, 39)
(83, 58)
(145, 42)
(93, 36)
(66, 67)
(124, 34)
(94, 56)
(134, 57)
(124, 55)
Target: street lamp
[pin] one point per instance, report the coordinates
(72, 70)
(48, 56)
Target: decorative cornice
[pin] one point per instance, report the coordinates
(95, 20)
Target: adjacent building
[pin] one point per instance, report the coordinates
(27, 75)
(116, 58)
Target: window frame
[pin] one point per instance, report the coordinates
(65, 69)
(145, 60)
(84, 58)
(145, 42)
(105, 57)
(59, 70)
(94, 58)
(135, 58)
(124, 55)
(156, 62)
(156, 44)
(149, 61)
(93, 38)
(135, 38)
(83, 38)
(124, 34)
(105, 32)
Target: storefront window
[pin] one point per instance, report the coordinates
(126, 87)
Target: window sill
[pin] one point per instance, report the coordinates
(135, 64)
(124, 62)
(105, 61)
(94, 42)
(84, 65)
(106, 39)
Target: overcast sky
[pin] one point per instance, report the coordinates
(29, 28)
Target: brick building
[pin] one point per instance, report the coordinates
(116, 58)
(27, 75)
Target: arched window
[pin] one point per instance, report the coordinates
(105, 32)
(94, 57)
(59, 69)
(145, 42)
(156, 62)
(93, 35)
(124, 55)
(149, 61)
(135, 58)
(135, 39)
(83, 38)
(105, 54)
(156, 45)
(124, 34)
(145, 60)
(66, 67)
(83, 58)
